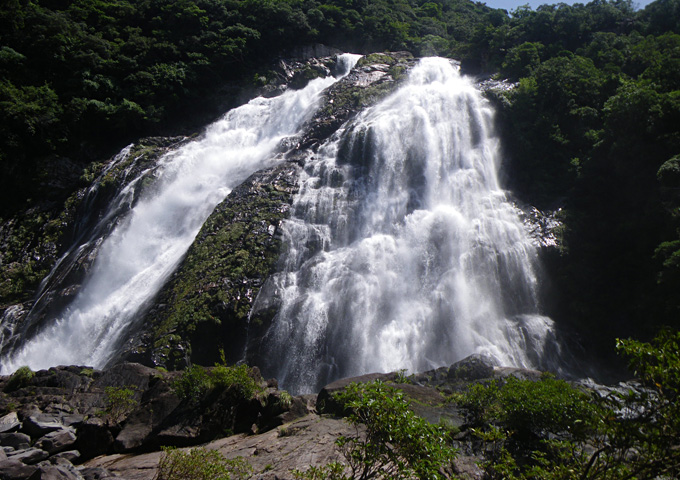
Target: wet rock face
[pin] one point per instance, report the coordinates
(32, 242)
(207, 306)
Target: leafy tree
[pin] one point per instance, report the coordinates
(391, 442)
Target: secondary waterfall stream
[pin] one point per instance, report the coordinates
(146, 246)
(403, 251)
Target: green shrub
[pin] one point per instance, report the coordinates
(238, 377)
(550, 430)
(200, 464)
(531, 409)
(19, 379)
(332, 471)
(193, 384)
(395, 443)
(196, 381)
(119, 402)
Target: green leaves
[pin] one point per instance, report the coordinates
(397, 443)
(200, 464)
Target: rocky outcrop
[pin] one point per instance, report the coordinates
(274, 433)
(54, 244)
(66, 415)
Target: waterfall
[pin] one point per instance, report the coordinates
(146, 246)
(403, 251)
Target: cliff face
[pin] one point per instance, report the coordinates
(206, 305)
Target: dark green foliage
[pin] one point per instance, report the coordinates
(530, 411)
(196, 381)
(19, 379)
(396, 442)
(119, 402)
(85, 76)
(551, 430)
(200, 464)
(193, 384)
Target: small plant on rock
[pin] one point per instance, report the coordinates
(200, 464)
(119, 403)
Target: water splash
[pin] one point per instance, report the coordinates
(145, 248)
(403, 250)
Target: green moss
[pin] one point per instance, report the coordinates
(210, 297)
(373, 58)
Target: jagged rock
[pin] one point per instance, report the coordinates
(56, 441)
(127, 375)
(29, 456)
(474, 367)
(9, 423)
(41, 424)
(3, 455)
(16, 440)
(15, 470)
(467, 468)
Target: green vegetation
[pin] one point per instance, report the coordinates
(391, 442)
(592, 127)
(87, 76)
(526, 429)
(196, 381)
(209, 300)
(200, 464)
(119, 403)
(551, 430)
(19, 379)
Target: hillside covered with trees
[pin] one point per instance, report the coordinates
(592, 127)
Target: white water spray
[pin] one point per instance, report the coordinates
(140, 254)
(403, 250)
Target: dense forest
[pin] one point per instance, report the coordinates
(592, 127)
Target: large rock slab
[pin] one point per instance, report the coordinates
(29, 456)
(13, 469)
(57, 441)
(41, 424)
(16, 440)
(9, 423)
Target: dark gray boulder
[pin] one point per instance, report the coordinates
(57, 441)
(94, 438)
(41, 424)
(29, 456)
(15, 440)
(9, 423)
(68, 455)
(474, 367)
(59, 472)
(13, 469)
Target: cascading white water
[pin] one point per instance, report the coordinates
(141, 252)
(403, 250)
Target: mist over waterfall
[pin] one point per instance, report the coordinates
(403, 251)
(147, 244)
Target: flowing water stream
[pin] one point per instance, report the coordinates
(403, 251)
(148, 243)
